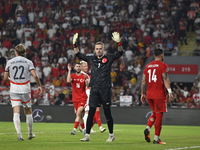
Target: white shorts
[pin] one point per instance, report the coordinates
(87, 103)
(87, 107)
(21, 100)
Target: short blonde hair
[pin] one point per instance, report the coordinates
(83, 62)
(99, 43)
(21, 50)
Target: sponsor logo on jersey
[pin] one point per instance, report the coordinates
(104, 60)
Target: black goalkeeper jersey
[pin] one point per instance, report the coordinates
(100, 68)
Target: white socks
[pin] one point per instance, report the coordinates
(156, 138)
(85, 119)
(111, 134)
(29, 122)
(16, 121)
(148, 128)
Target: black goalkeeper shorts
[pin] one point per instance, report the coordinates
(100, 95)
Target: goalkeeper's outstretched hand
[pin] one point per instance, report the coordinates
(75, 40)
(116, 37)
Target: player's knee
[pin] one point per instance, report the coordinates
(28, 111)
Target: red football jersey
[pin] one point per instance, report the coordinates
(78, 87)
(155, 85)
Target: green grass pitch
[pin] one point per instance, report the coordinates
(127, 137)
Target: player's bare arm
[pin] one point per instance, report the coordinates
(86, 81)
(37, 80)
(69, 80)
(116, 38)
(167, 85)
(143, 86)
(76, 50)
(6, 76)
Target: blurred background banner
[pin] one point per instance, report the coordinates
(121, 115)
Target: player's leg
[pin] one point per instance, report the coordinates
(16, 103)
(26, 102)
(81, 121)
(86, 107)
(107, 112)
(78, 119)
(106, 101)
(16, 121)
(93, 102)
(75, 123)
(86, 114)
(160, 107)
(98, 119)
(89, 123)
(150, 122)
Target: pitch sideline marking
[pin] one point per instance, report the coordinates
(183, 148)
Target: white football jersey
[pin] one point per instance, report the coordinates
(87, 89)
(19, 69)
(88, 77)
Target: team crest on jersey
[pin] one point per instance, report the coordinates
(81, 80)
(104, 60)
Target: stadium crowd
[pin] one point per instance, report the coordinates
(46, 28)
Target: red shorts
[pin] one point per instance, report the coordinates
(158, 105)
(78, 104)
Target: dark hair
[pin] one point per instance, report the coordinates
(77, 63)
(158, 51)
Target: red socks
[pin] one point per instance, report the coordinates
(150, 122)
(98, 119)
(158, 123)
(76, 124)
(82, 126)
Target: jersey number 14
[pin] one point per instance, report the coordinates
(152, 77)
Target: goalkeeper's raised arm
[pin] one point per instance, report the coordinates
(76, 50)
(116, 38)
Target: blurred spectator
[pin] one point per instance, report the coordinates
(114, 98)
(46, 71)
(56, 82)
(182, 30)
(191, 17)
(3, 50)
(113, 76)
(196, 96)
(2, 100)
(6, 94)
(28, 42)
(175, 50)
(198, 35)
(197, 49)
(136, 98)
(35, 99)
(62, 58)
(7, 44)
(185, 90)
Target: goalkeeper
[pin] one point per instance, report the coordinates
(100, 82)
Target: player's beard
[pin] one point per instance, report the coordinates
(78, 71)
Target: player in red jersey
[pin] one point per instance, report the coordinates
(155, 74)
(79, 97)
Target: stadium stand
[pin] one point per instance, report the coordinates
(46, 28)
